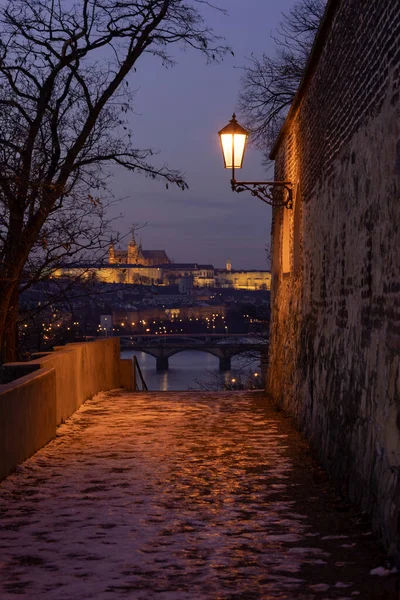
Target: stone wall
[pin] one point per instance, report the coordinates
(38, 395)
(335, 335)
(27, 417)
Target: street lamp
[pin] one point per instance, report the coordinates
(233, 143)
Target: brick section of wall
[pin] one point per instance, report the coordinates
(335, 335)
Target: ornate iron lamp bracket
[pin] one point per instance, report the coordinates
(274, 193)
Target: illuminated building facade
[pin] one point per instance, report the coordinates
(153, 267)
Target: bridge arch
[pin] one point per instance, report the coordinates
(224, 355)
(163, 348)
(163, 354)
(164, 351)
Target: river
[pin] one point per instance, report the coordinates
(194, 370)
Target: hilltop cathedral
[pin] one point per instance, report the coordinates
(154, 267)
(135, 255)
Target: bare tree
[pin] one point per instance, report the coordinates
(64, 98)
(77, 232)
(269, 83)
(76, 236)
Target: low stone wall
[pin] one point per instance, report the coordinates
(126, 373)
(40, 394)
(27, 417)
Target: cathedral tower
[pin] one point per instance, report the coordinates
(111, 253)
(133, 250)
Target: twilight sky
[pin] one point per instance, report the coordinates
(179, 111)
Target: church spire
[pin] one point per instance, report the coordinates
(133, 249)
(111, 252)
(133, 241)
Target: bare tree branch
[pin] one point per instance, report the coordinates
(63, 82)
(269, 83)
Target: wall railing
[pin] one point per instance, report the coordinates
(137, 375)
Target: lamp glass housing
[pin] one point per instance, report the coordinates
(233, 149)
(233, 142)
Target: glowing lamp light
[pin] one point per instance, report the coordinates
(233, 139)
(233, 143)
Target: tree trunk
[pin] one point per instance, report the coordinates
(6, 293)
(8, 325)
(11, 343)
(17, 247)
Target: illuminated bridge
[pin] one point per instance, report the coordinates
(224, 346)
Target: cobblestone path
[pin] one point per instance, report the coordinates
(181, 496)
